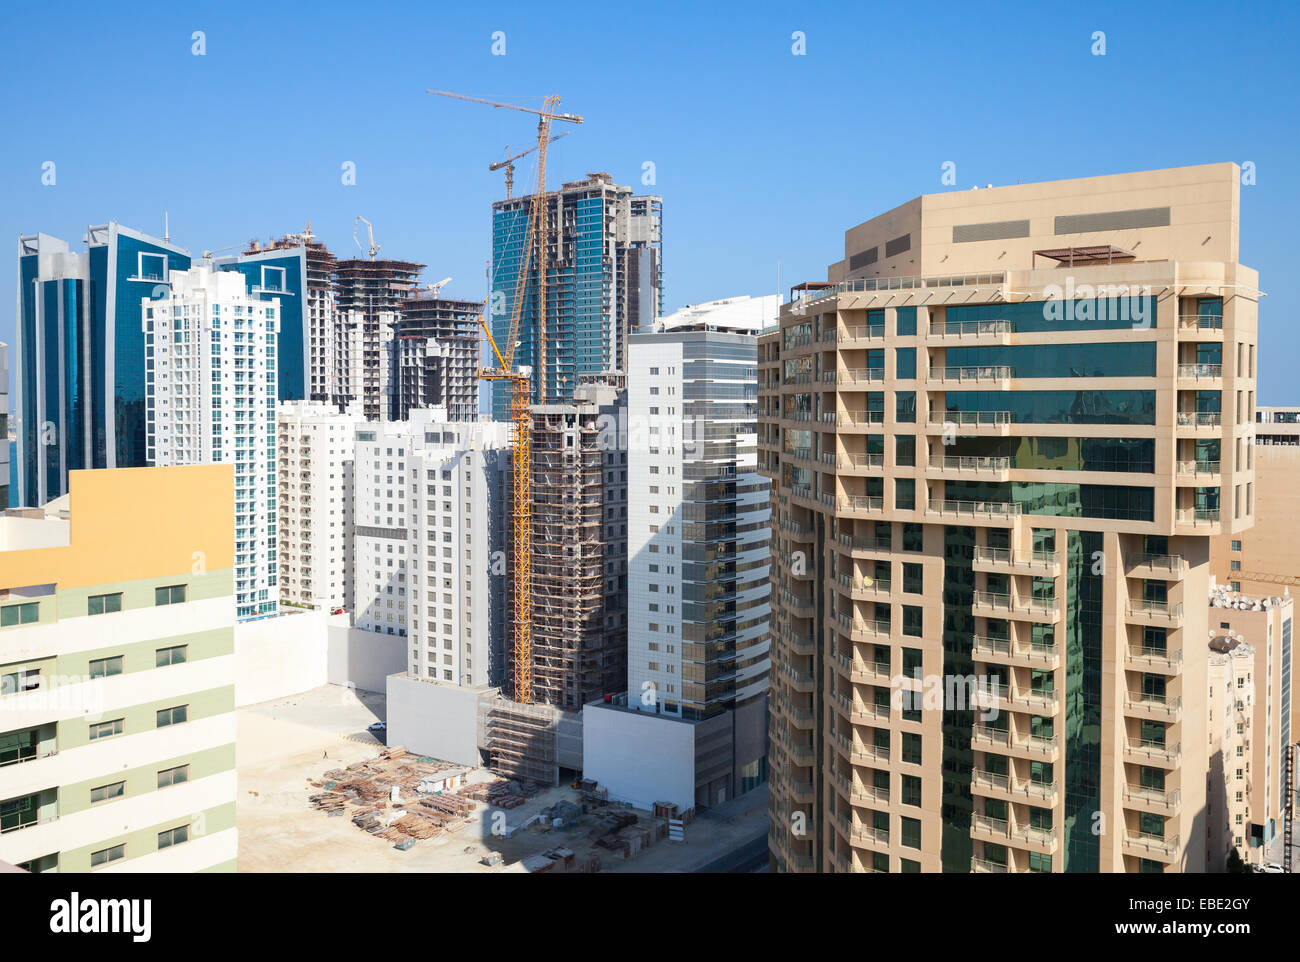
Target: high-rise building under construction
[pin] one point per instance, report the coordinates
(603, 266)
(1001, 436)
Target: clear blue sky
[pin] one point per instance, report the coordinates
(760, 155)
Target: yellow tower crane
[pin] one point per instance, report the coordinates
(519, 380)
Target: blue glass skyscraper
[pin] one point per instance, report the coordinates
(604, 279)
(79, 355)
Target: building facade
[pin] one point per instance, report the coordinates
(1266, 559)
(1265, 625)
(369, 295)
(699, 542)
(317, 446)
(430, 543)
(579, 547)
(1230, 711)
(999, 438)
(79, 376)
(210, 348)
(117, 749)
(603, 268)
(437, 356)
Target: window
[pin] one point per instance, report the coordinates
(106, 855)
(905, 406)
(912, 578)
(105, 793)
(173, 776)
(912, 620)
(912, 748)
(910, 831)
(23, 614)
(905, 363)
(176, 655)
(174, 836)
(169, 595)
(105, 729)
(104, 604)
(911, 790)
(905, 494)
(103, 667)
(27, 679)
(913, 536)
(173, 716)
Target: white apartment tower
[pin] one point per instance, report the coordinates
(315, 470)
(210, 389)
(429, 543)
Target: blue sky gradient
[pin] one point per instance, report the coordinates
(761, 156)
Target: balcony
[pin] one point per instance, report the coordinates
(1159, 660)
(1169, 567)
(1004, 786)
(860, 630)
(850, 376)
(1200, 419)
(984, 866)
(860, 419)
(1200, 372)
(1040, 561)
(873, 333)
(1153, 800)
(975, 509)
(1197, 469)
(859, 462)
(1200, 322)
(1149, 752)
(802, 532)
(991, 469)
(971, 422)
(1197, 516)
(992, 375)
(1041, 702)
(985, 332)
(873, 545)
(1028, 609)
(1151, 846)
(864, 588)
(1156, 612)
(985, 827)
(861, 672)
(1003, 651)
(1044, 748)
(860, 503)
(1145, 704)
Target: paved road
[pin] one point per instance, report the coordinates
(749, 857)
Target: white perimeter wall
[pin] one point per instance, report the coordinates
(641, 758)
(280, 656)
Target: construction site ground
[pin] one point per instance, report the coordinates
(284, 745)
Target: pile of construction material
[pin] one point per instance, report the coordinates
(399, 797)
(510, 794)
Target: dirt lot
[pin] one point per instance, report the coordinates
(284, 745)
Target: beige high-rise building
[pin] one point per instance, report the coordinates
(1001, 435)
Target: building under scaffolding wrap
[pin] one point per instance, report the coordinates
(579, 547)
(531, 742)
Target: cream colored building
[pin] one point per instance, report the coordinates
(117, 675)
(316, 445)
(1001, 435)
(1266, 624)
(1229, 714)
